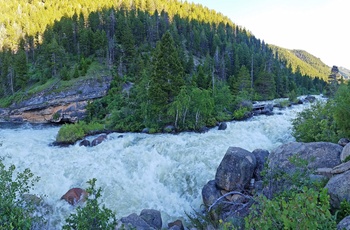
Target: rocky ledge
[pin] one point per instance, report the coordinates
(54, 105)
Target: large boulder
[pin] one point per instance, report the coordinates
(339, 189)
(236, 169)
(344, 224)
(152, 217)
(317, 154)
(75, 196)
(134, 221)
(148, 219)
(345, 153)
(210, 193)
(261, 156)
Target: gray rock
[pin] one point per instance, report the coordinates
(210, 193)
(134, 221)
(341, 168)
(344, 224)
(325, 172)
(85, 143)
(169, 129)
(261, 156)
(310, 98)
(152, 217)
(98, 140)
(177, 224)
(317, 154)
(203, 129)
(222, 126)
(268, 109)
(145, 130)
(345, 153)
(71, 102)
(339, 189)
(343, 141)
(236, 169)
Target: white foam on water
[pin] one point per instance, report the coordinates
(163, 171)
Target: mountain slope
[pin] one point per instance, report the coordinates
(345, 73)
(302, 60)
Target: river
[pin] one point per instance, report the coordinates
(164, 172)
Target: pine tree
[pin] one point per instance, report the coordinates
(166, 78)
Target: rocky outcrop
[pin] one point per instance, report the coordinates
(75, 196)
(289, 158)
(317, 155)
(57, 104)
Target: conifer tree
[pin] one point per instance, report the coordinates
(166, 78)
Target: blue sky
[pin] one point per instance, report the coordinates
(320, 27)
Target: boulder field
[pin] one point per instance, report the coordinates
(238, 177)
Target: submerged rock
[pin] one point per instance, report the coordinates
(98, 140)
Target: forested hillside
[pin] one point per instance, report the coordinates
(173, 63)
(302, 61)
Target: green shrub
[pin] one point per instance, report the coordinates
(316, 124)
(15, 211)
(240, 113)
(91, 216)
(308, 209)
(341, 110)
(70, 133)
(292, 96)
(344, 210)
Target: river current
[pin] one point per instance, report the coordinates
(164, 172)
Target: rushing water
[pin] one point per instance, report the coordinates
(163, 172)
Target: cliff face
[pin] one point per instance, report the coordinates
(68, 105)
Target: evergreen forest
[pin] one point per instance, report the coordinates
(173, 62)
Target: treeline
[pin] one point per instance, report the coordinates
(174, 63)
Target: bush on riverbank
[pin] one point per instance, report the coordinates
(327, 121)
(70, 133)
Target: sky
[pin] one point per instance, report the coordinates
(320, 27)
